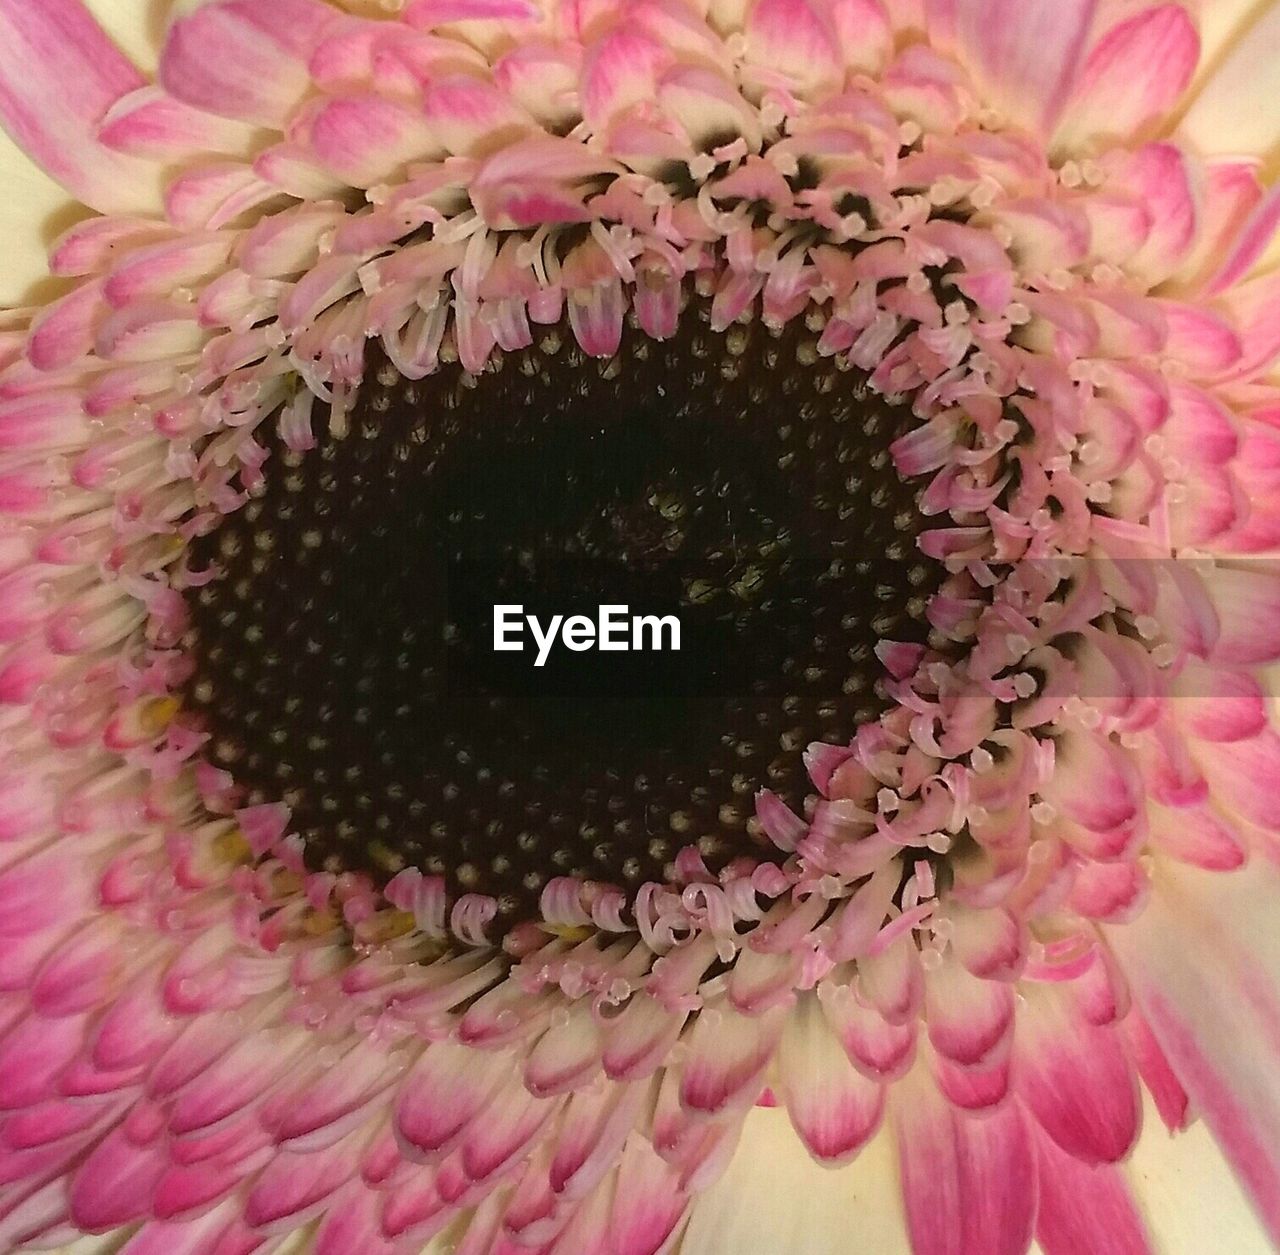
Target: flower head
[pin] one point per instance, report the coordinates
(923, 353)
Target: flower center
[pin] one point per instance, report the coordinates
(736, 481)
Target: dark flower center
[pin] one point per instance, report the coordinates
(735, 480)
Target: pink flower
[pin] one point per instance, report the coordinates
(1027, 905)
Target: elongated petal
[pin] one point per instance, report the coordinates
(969, 1182)
(1204, 964)
(834, 1108)
(1133, 75)
(1029, 52)
(59, 74)
(1076, 1078)
(244, 60)
(1110, 1224)
(151, 123)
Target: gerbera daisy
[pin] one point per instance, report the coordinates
(918, 355)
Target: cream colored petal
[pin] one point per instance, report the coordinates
(1235, 112)
(1222, 23)
(1189, 1195)
(774, 1198)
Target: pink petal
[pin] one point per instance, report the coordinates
(780, 823)
(149, 330)
(878, 1049)
(234, 1081)
(892, 981)
(157, 269)
(32, 1055)
(834, 1108)
(1075, 1078)
(194, 1237)
(975, 1089)
(1242, 775)
(427, 14)
(1107, 1224)
(351, 1223)
(792, 39)
(366, 139)
(1095, 782)
(97, 243)
(190, 1191)
(991, 944)
(587, 1232)
(51, 1122)
(334, 1096)
(966, 1017)
(116, 1184)
(542, 77)
(637, 1041)
(59, 74)
(1203, 961)
(1202, 341)
(1113, 892)
(63, 330)
(1254, 309)
(243, 59)
(619, 73)
(969, 1182)
(471, 117)
(151, 123)
(1199, 426)
(1133, 75)
(415, 1209)
(1159, 176)
(864, 33)
(505, 1132)
(1230, 193)
(212, 196)
(565, 1055)
(45, 420)
(1197, 835)
(762, 980)
(1255, 236)
(595, 1127)
(41, 890)
(286, 243)
(80, 973)
(728, 1054)
(648, 1201)
(1027, 52)
(292, 1187)
(1045, 233)
(536, 181)
(1216, 704)
(447, 1088)
(1156, 1073)
(135, 1029)
(295, 170)
(201, 1042)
